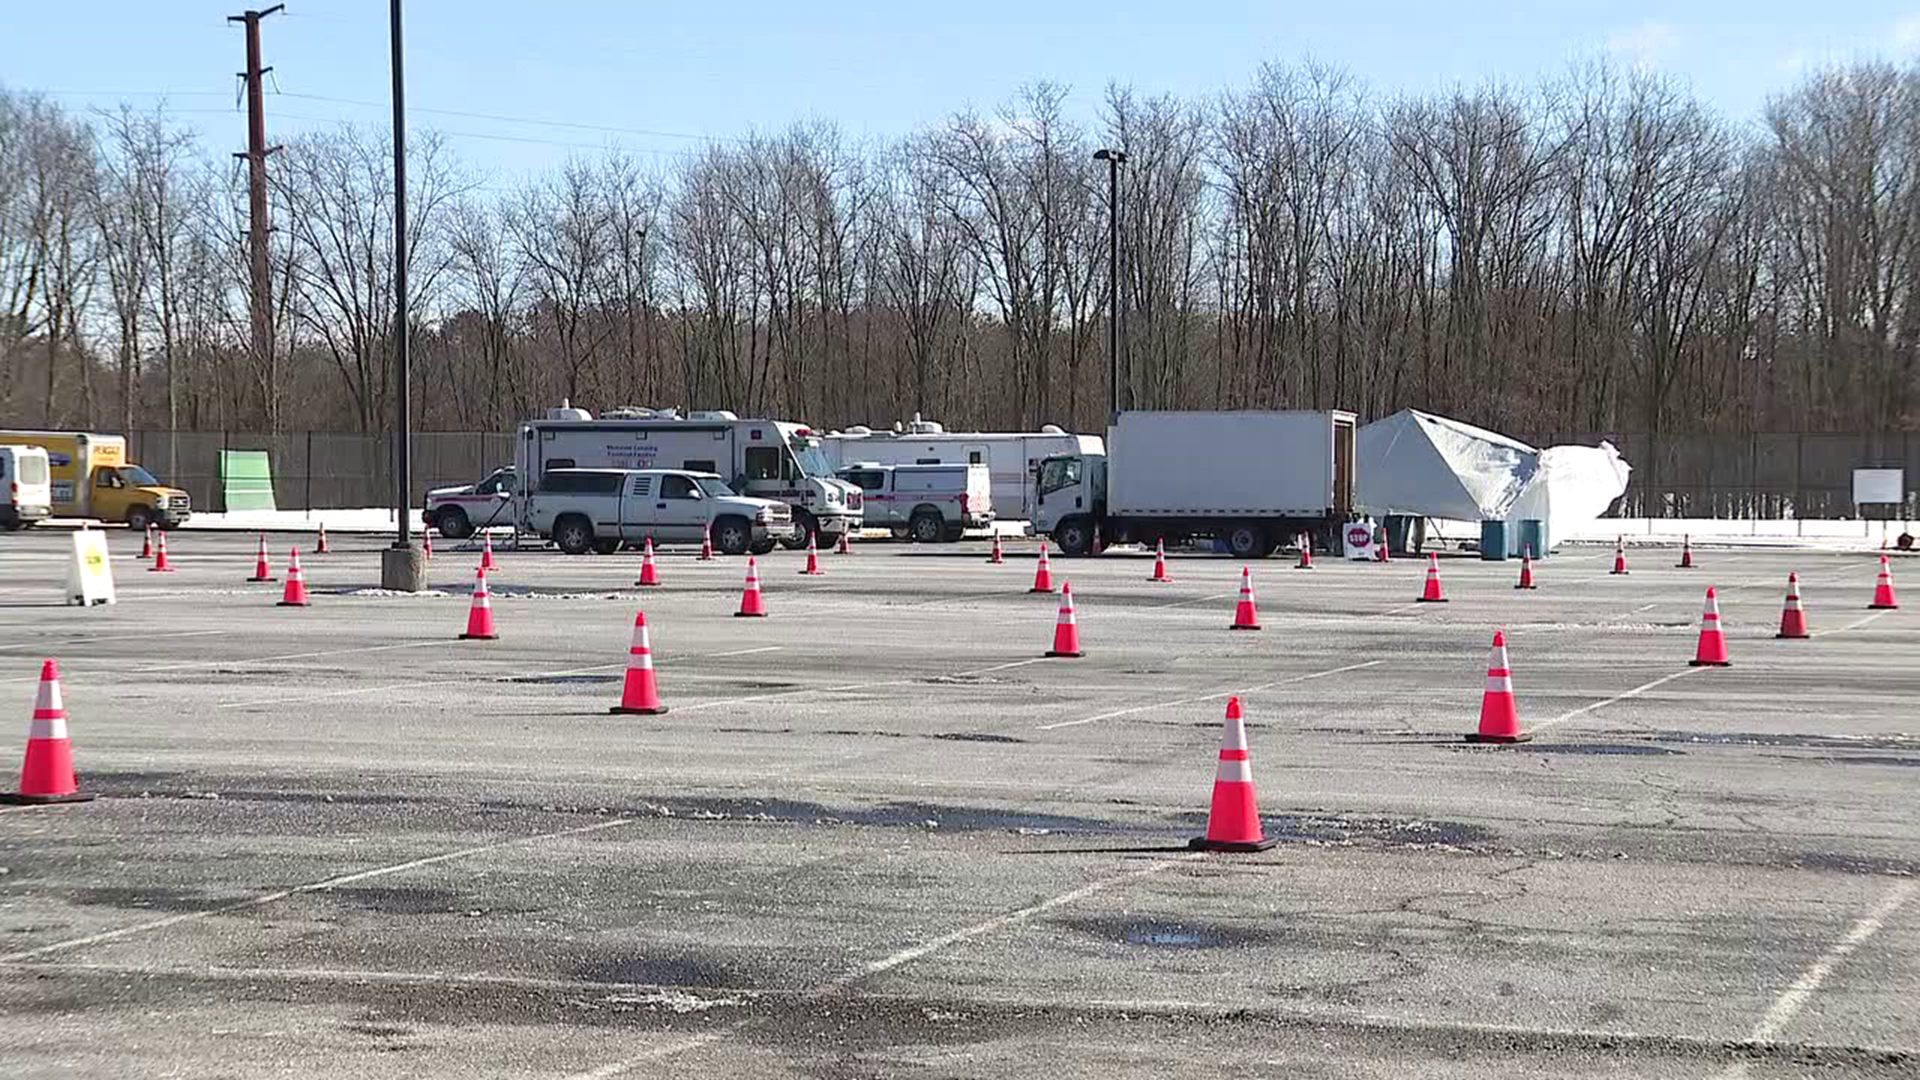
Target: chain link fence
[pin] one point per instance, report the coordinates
(320, 469)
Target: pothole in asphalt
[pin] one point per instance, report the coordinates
(979, 737)
(1826, 742)
(1167, 933)
(562, 680)
(1598, 749)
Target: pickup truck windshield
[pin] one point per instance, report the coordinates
(135, 476)
(714, 486)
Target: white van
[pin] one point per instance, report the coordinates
(927, 503)
(26, 486)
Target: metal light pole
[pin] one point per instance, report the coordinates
(401, 567)
(1114, 159)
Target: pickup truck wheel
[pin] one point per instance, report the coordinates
(454, 523)
(573, 534)
(1075, 536)
(732, 535)
(139, 519)
(927, 527)
(804, 526)
(1248, 541)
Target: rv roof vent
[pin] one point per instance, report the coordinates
(925, 427)
(568, 412)
(627, 412)
(713, 414)
(1051, 429)
(859, 429)
(666, 414)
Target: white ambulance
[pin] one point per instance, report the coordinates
(1010, 456)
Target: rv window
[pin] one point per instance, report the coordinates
(3, 468)
(700, 466)
(676, 487)
(973, 457)
(868, 479)
(763, 462)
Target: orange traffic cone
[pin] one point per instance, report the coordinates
(1066, 632)
(1619, 556)
(649, 573)
(486, 551)
(1686, 553)
(751, 604)
(1160, 562)
(1499, 713)
(146, 544)
(1380, 553)
(1713, 639)
(1432, 594)
(1882, 589)
(706, 545)
(812, 568)
(1526, 569)
(296, 591)
(261, 571)
(426, 545)
(641, 695)
(999, 555)
(162, 566)
(1233, 824)
(1306, 553)
(1793, 617)
(480, 615)
(1043, 573)
(843, 547)
(1245, 615)
(47, 774)
(320, 547)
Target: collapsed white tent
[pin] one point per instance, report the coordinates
(1422, 465)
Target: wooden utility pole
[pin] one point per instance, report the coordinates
(258, 227)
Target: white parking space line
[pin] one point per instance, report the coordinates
(312, 886)
(1198, 600)
(1207, 697)
(1854, 625)
(1795, 997)
(1615, 699)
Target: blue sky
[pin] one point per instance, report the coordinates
(880, 69)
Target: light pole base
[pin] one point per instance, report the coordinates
(403, 569)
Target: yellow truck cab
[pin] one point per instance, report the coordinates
(92, 478)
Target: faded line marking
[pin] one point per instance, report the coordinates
(313, 886)
(1208, 697)
(289, 656)
(75, 642)
(1617, 698)
(1195, 600)
(1854, 625)
(1795, 997)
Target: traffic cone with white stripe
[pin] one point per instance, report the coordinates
(641, 694)
(1380, 552)
(1160, 562)
(1245, 615)
(1043, 573)
(844, 547)
(162, 566)
(812, 569)
(1499, 713)
(46, 776)
(261, 571)
(1526, 569)
(1883, 598)
(426, 545)
(1793, 617)
(146, 544)
(295, 594)
(486, 551)
(1432, 594)
(706, 544)
(1713, 638)
(752, 606)
(320, 547)
(1306, 553)
(1066, 632)
(1619, 556)
(1233, 822)
(1686, 553)
(649, 573)
(999, 555)
(480, 615)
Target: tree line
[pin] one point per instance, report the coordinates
(1601, 251)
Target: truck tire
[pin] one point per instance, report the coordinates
(1074, 536)
(453, 523)
(804, 526)
(927, 526)
(732, 535)
(139, 518)
(573, 534)
(1248, 540)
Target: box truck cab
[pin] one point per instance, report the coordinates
(767, 459)
(92, 478)
(926, 503)
(26, 486)
(1256, 480)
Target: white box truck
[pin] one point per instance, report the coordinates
(1010, 456)
(766, 459)
(1256, 480)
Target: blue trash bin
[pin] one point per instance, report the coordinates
(1493, 540)
(1533, 537)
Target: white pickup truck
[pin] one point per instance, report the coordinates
(927, 503)
(583, 510)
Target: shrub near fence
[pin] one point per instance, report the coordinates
(1693, 476)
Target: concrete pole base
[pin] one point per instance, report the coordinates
(403, 569)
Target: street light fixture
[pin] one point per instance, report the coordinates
(1114, 159)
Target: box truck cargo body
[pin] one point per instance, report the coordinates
(1254, 479)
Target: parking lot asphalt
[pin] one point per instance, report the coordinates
(878, 834)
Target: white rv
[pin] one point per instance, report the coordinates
(1010, 457)
(767, 459)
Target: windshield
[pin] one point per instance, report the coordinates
(813, 462)
(713, 486)
(135, 476)
(1057, 473)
